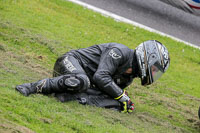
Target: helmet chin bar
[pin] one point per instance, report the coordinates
(146, 79)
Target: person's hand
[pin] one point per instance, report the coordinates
(127, 104)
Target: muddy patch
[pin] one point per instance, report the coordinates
(46, 120)
(145, 117)
(22, 34)
(180, 108)
(13, 63)
(2, 48)
(9, 127)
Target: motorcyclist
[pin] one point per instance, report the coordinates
(106, 68)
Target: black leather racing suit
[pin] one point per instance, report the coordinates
(105, 65)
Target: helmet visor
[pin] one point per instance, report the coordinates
(156, 71)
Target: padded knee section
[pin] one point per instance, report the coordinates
(74, 83)
(86, 82)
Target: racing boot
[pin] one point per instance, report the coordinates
(32, 88)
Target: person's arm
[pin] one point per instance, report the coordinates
(123, 80)
(109, 62)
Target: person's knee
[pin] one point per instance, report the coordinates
(58, 67)
(74, 82)
(85, 81)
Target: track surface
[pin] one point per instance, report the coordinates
(157, 15)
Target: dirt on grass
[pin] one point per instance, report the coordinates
(10, 127)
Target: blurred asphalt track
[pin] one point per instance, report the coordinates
(157, 15)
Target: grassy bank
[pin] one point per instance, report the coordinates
(34, 33)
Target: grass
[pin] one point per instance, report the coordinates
(34, 33)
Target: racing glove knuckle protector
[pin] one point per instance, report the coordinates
(127, 105)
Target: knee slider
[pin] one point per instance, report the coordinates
(85, 80)
(74, 83)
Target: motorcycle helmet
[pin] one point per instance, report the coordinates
(153, 60)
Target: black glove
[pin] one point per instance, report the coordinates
(127, 105)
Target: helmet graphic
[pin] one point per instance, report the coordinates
(153, 60)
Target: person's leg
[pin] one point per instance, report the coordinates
(91, 96)
(65, 83)
(74, 76)
(73, 79)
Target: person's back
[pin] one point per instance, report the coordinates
(90, 57)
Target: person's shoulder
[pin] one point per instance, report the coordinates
(123, 49)
(115, 45)
(118, 45)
